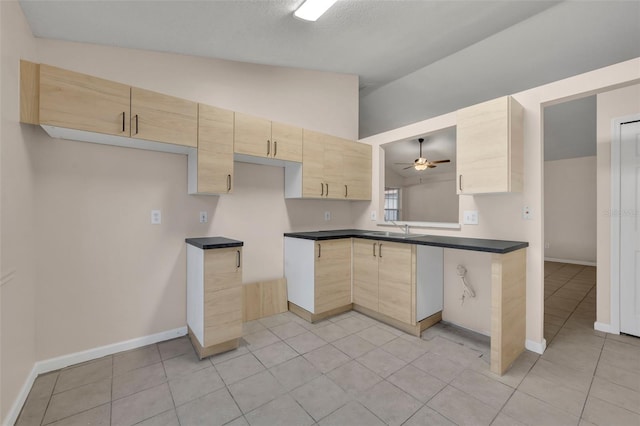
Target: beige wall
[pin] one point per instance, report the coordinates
(570, 209)
(17, 213)
(611, 105)
(473, 313)
(500, 215)
(434, 200)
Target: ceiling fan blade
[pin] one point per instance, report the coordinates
(402, 164)
(406, 168)
(440, 161)
(431, 166)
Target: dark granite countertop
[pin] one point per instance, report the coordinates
(207, 243)
(461, 243)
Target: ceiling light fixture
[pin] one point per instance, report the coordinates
(311, 10)
(420, 164)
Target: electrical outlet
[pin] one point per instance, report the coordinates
(204, 217)
(327, 216)
(547, 245)
(156, 217)
(527, 213)
(374, 215)
(470, 217)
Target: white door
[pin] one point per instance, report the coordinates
(630, 228)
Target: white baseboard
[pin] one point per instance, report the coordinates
(607, 328)
(57, 363)
(572, 261)
(537, 347)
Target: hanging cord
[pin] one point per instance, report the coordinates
(467, 289)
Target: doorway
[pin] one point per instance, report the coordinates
(570, 215)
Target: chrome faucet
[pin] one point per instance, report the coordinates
(405, 227)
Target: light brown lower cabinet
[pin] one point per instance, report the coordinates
(318, 276)
(384, 278)
(214, 298)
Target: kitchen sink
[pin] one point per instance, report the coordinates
(401, 235)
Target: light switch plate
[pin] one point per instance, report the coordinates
(374, 215)
(470, 217)
(156, 217)
(327, 216)
(527, 213)
(204, 217)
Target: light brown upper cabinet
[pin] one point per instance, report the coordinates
(78, 101)
(162, 118)
(357, 170)
(335, 168)
(259, 137)
(214, 162)
(72, 100)
(489, 152)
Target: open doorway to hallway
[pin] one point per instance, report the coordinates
(570, 214)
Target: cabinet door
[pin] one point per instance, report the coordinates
(489, 137)
(222, 295)
(162, 118)
(252, 135)
(286, 142)
(332, 280)
(395, 278)
(365, 273)
(78, 101)
(334, 173)
(313, 146)
(215, 150)
(357, 169)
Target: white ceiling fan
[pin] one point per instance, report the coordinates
(421, 163)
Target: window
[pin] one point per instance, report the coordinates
(392, 204)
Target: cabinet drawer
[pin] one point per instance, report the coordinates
(222, 315)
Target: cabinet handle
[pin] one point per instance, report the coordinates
(460, 183)
(268, 147)
(322, 189)
(346, 191)
(374, 249)
(228, 183)
(238, 259)
(136, 125)
(380, 251)
(124, 117)
(275, 148)
(319, 250)
(327, 190)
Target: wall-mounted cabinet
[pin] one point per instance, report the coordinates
(81, 102)
(262, 138)
(335, 168)
(75, 106)
(211, 166)
(489, 151)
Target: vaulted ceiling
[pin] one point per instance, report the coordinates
(415, 59)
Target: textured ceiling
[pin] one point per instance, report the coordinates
(415, 59)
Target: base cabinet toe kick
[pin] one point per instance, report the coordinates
(401, 282)
(214, 294)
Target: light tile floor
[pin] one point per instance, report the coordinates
(351, 370)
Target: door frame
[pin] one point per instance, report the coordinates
(616, 141)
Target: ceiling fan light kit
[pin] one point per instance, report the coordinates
(421, 163)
